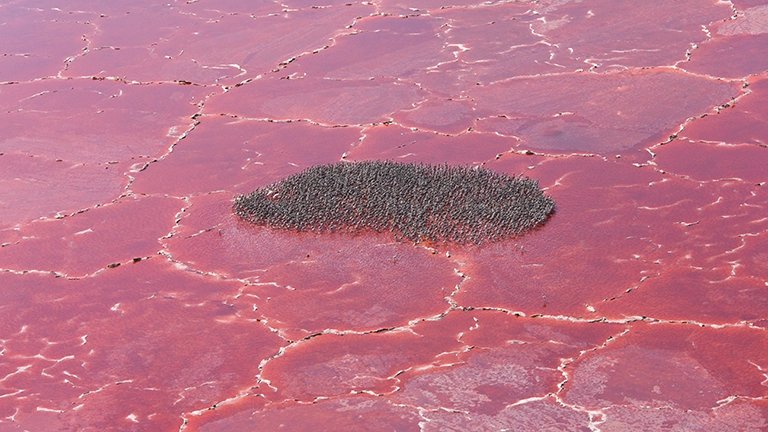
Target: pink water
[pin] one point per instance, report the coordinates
(131, 298)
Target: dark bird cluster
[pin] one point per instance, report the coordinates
(417, 202)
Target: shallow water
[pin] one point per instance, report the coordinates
(131, 297)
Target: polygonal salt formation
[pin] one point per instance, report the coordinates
(435, 203)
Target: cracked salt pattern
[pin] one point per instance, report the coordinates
(131, 298)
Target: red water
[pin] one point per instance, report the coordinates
(131, 298)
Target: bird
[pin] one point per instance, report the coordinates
(415, 202)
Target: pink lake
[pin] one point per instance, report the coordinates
(132, 298)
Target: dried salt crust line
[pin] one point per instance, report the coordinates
(433, 203)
